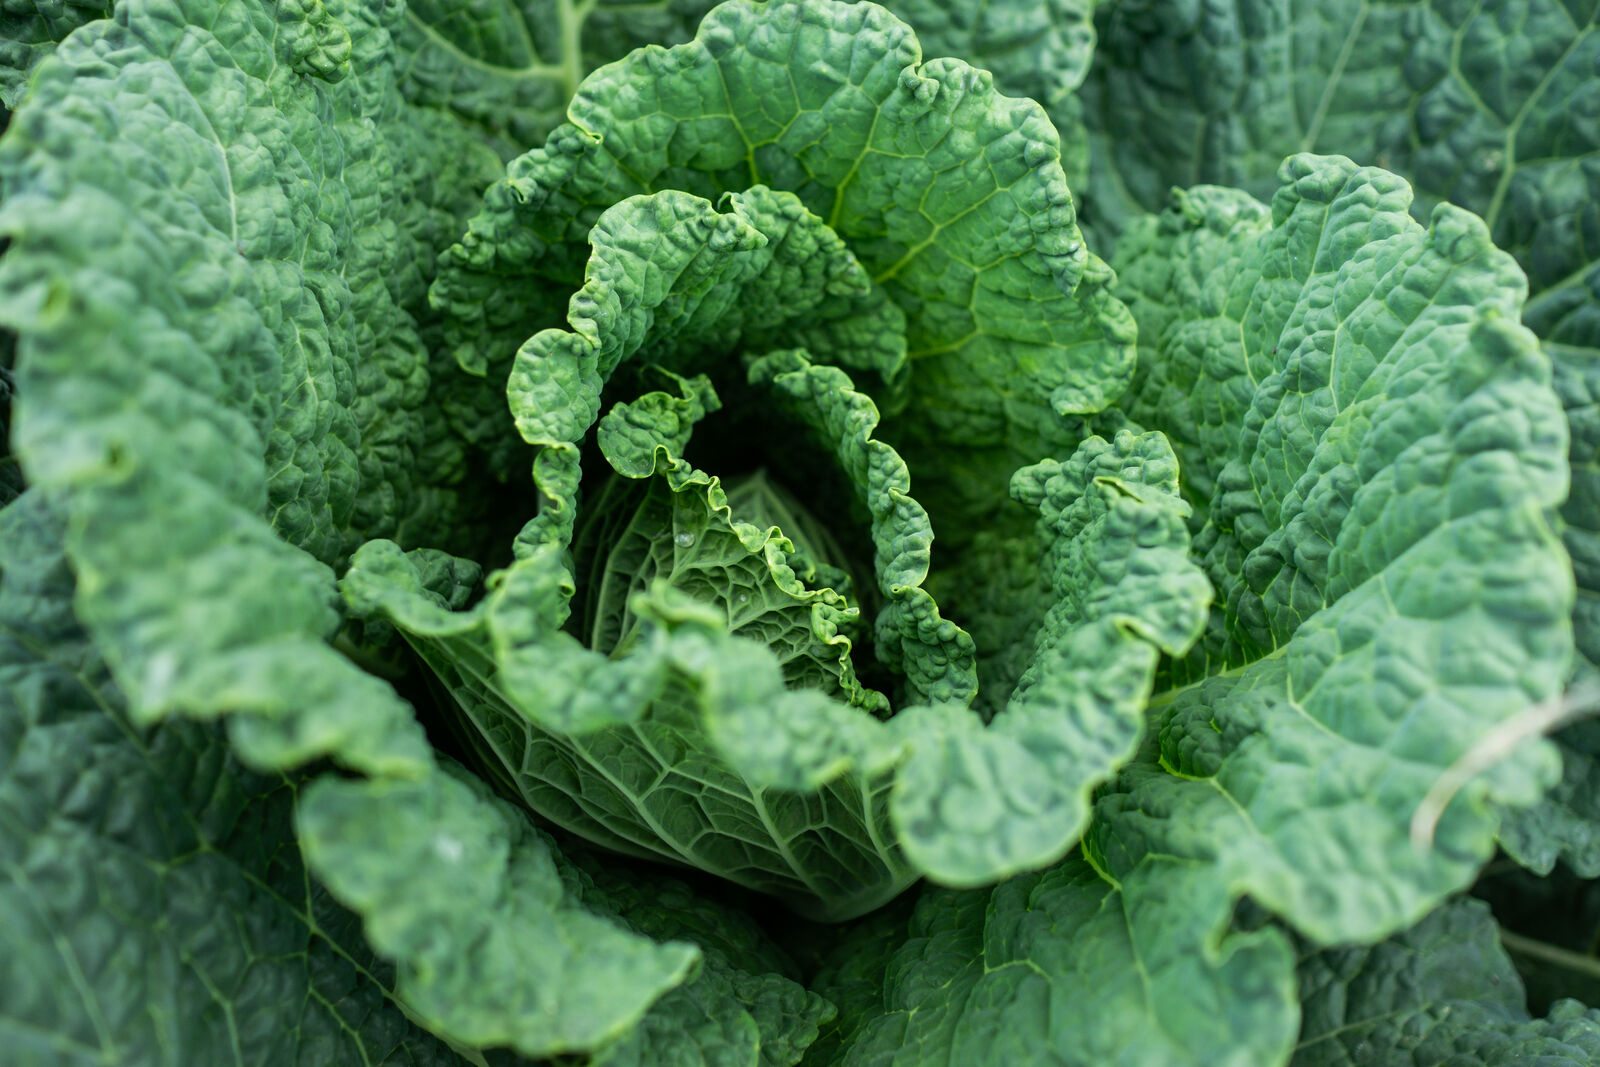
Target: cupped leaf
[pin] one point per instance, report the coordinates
(934, 654)
(686, 535)
(618, 751)
(950, 195)
(973, 804)
(673, 280)
(689, 747)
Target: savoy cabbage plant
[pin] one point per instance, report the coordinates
(797, 532)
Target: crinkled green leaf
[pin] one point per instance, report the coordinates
(1378, 527)
(304, 397)
(848, 971)
(1038, 50)
(167, 876)
(509, 67)
(1493, 107)
(542, 973)
(1442, 991)
(1390, 590)
(974, 804)
(934, 654)
(950, 195)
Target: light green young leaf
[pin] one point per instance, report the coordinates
(686, 535)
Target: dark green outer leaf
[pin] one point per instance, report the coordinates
(157, 912)
(30, 30)
(509, 67)
(1443, 991)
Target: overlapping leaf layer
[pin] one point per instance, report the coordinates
(731, 454)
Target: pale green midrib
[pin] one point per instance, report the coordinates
(555, 71)
(758, 800)
(893, 270)
(1571, 281)
(1544, 952)
(1313, 130)
(489, 691)
(1509, 165)
(1167, 696)
(605, 591)
(571, 19)
(868, 823)
(1362, 1023)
